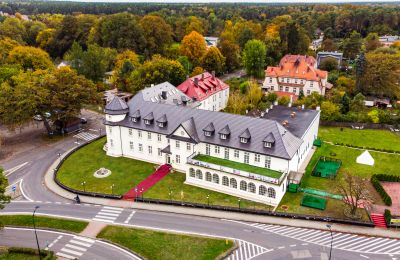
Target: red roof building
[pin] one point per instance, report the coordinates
(207, 89)
(296, 73)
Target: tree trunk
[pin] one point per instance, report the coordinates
(47, 125)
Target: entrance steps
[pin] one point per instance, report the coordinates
(379, 220)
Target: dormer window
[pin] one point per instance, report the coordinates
(209, 130)
(224, 133)
(162, 121)
(160, 124)
(245, 136)
(243, 140)
(222, 136)
(148, 120)
(269, 140)
(207, 133)
(267, 144)
(136, 116)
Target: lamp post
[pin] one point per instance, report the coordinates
(112, 189)
(330, 230)
(170, 193)
(34, 227)
(239, 202)
(84, 185)
(208, 199)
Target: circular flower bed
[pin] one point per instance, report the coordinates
(102, 173)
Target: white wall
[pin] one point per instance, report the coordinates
(216, 102)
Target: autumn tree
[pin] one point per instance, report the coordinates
(125, 63)
(30, 58)
(328, 45)
(254, 58)
(195, 24)
(194, 47)
(254, 93)
(13, 28)
(197, 71)
(3, 185)
(329, 111)
(329, 64)
(6, 46)
(351, 46)
(157, 32)
(213, 61)
(372, 42)
(236, 104)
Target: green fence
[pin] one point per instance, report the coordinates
(313, 202)
(320, 193)
(326, 167)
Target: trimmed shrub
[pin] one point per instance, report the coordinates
(379, 188)
(387, 177)
(388, 216)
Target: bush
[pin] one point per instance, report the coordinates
(388, 216)
(387, 177)
(378, 186)
(30, 251)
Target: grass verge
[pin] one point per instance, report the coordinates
(161, 245)
(43, 222)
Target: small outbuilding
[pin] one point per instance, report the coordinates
(365, 158)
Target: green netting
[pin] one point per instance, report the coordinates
(293, 187)
(326, 167)
(313, 202)
(317, 142)
(320, 193)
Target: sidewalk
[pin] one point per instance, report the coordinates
(52, 186)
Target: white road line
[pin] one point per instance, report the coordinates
(108, 214)
(71, 251)
(365, 245)
(364, 256)
(14, 169)
(129, 217)
(103, 220)
(393, 251)
(85, 239)
(65, 255)
(344, 238)
(363, 240)
(389, 246)
(22, 191)
(54, 242)
(105, 217)
(80, 243)
(309, 235)
(111, 211)
(76, 247)
(114, 208)
(388, 241)
(302, 233)
(352, 241)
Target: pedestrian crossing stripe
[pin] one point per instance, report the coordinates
(85, 136)
(108, 214)
(76, 247)
(246, 251)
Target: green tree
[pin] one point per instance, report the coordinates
(186, 64)
(254, 94)
(360, 70)
(213, 61)
(3, 198)
(329, 111)
(329, 64)
(157, 32)
(346, 84)
(231, 52)
(125, 63)
(254, 58)
(345, 104)
(357, 104)
(352, 45)
(194, 47)
(236, 104)
(329, 45)
(30, 58)
(13, 28)
(372, 42)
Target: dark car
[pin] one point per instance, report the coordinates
(83, 120)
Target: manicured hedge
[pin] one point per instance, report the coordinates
(30, 251)
(368, 148)
(378, 186)
(388, 216)
(387, 177)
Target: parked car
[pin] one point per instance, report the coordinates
(39, 117)
(83, 120)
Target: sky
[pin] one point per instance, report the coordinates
(232, 1)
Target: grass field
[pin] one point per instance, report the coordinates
(160, 245)
(44, 222)
(21, 256)
(380, 139)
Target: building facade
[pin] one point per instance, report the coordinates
(295, 74)
(211, 92)
(241, 156)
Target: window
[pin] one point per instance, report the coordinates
(252, 187)
(262, 190)
(199, 175)
(208, 176)
(270, 80)
(131, 146)
(188, 146)
(257, 158)
(191, 173)
(177, 144)
(110, 129)
(130, 132)
(267, 162)
(217, 149)
(207, 133)
(147, 122)
(233, 183)
(139, 133)
(159, 152)
(287, 89)
(246, 157)
(159, 137)
(271, 193)
(207, 149)
(308, 92)
(140, 148)
(272, 88)
(148, 135)
(294, 90)
(178, 158)
(311, 84)
(150, 149)
(280, 88)
(243, 186)
(226, 153)
(287, 80)
(222, 136)
(225, 181)
(236, 154)
(215, 178)
(267, 144)
(160, 124)
(111, 143)
(243, 140)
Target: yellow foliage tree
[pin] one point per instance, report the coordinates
(194, 47)
(30, 58)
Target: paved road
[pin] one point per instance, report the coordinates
(63, 244)
(255, 241)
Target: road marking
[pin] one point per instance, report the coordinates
(129, 217)
(247, 250)
(85, 239)
(108, 214)
(76, 247)
(71, 251)
(102, 220)
(14, 169)
(364, 256)
(22, 191)
(292, 245)
(65, 255)
(281, 247)
(54, 242)
(79, 243)
(85, 136)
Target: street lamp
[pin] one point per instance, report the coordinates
(59, 156)
(112, 189)
(34, 227)
(330, 229)
(239, 202)
(84, 185)
(208, 200)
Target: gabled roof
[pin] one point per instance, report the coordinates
(209, 128)
(162, 119)
(225, 130)
(136, 114)
(149, 116)
(207, 85)
(116, 107)
(269, 138)
(245, 134)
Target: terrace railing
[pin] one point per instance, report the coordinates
(276, 181)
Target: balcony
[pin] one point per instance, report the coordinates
(241, 169)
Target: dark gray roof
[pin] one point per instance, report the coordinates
(209, 128)
(136, 114)
(150, 116)
(298, 124)
(225, 130)
(162, 119)
(116, 107)
(194, 120)
(245, 134)
(269, 138)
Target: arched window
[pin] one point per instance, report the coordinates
(208, 176)
(262, 190)
(225, 181)
(252, 187)
(199, 175)
(243, 185)
(271, 193)
(233, 183)
(191, 172)
(215, 178)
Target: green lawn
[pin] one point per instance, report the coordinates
(80, 166)
(239, 166)
(161, 245)
(45, 222)
(21, 256)
(380, 139)
(175, 182)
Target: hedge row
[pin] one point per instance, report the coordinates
(46, 255)
(387, 177)
(388, 216)
(378, 186)
(368, 148)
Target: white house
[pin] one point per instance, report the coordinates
(294, 74)
(238, 155)
(211, 92)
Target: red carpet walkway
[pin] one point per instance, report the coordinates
(142, 187)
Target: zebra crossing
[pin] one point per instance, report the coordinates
(246, 251)
(108, 214)
(344, 241)
(76, 247)
(85, 136)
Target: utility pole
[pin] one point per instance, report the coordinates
(34, 227)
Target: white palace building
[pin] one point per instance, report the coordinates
(238, 155)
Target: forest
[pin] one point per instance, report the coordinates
(143, 44)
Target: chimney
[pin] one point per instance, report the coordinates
(196, 82)
(164, 94)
